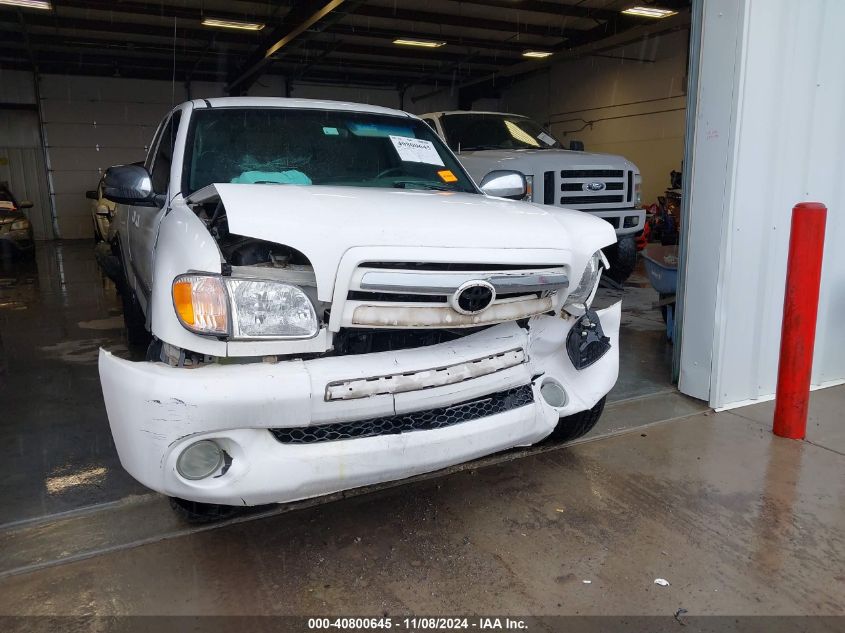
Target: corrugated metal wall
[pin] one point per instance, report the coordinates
(775, 111)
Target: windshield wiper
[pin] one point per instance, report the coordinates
(476, 148)
(421, 184)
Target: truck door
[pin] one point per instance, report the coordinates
(144, 221)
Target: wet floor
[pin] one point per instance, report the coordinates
(58, 309)
(736, 520)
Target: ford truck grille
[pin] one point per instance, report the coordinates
(429, 420)
(589, 188)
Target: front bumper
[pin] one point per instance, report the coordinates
(617, 218)
(155, 411)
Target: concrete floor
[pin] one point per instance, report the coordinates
(738, 521)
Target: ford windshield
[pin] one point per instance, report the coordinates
(479, 131)
(279, 146)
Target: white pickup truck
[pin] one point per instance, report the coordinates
(333, 302)
(604, 185)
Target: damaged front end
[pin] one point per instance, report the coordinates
(294, 363)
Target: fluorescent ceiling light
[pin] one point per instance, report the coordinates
(537, 54)
(231, 24)
(423, 43)
(649, 12)
(28, 4)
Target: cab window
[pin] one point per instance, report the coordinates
(164, 154)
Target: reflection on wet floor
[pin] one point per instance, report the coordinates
(54, 421)
(58, 309)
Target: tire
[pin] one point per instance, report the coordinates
(577, 425)
(198, 513)
(622, 258)
(133, 318)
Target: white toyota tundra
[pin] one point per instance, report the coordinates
(603, 185)
(333, 302)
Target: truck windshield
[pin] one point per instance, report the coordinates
(478, 131)
(317, 147)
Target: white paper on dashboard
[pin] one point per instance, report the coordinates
(416, 150)
(548, 140)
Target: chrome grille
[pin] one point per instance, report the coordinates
(614, 188)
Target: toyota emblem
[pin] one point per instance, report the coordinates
(473, 297)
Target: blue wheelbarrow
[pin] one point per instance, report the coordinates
(661, 265)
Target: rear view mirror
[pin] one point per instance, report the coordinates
(505, 184)
(129, 184)
(92, 195)
(25, 204)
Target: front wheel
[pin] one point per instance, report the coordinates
(577, 425)
(622, 258)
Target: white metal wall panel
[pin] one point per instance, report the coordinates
(789, 146)
(91, 123)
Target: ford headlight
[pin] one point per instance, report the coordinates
(243, 308)
(20, 225)
(580, 298)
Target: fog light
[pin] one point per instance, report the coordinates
(199, 460)
(631, 220)
(553, 393)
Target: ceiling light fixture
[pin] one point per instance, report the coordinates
(537, 54)
(649, 12)
(232, 24)
(28, 4)
(422, 43)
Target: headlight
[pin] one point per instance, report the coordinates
(638, 195)
(20, 225)
(243, 308)
(270, 309)
(584, 292)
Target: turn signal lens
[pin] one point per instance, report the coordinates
(201, 304)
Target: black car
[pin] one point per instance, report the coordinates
(15, 228)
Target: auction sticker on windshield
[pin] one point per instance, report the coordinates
(416, 150)
(548, 140)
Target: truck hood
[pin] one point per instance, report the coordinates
(536, 161)
(324, 222)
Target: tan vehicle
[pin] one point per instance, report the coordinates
(102, 212)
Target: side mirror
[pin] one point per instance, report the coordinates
(505, 184)
(25, 204)
(129, 184)
(92, 195)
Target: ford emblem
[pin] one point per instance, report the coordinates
(594, 186)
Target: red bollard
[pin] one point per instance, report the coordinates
(800, 308)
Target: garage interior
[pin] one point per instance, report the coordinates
(83, 85)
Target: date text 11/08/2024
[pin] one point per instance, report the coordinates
(417, 623)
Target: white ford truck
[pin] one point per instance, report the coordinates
(604, 185)
(333, 302)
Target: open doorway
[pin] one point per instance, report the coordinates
(614, 105)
